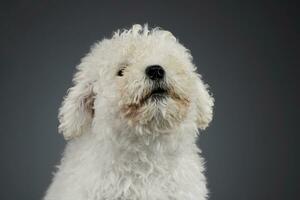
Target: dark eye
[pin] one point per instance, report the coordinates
(122, 67)
(121, 72)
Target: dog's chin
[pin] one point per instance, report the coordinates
(160, 110)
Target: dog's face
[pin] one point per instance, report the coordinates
(140, 79)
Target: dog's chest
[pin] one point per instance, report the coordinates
(136, 176)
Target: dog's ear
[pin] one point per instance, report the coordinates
(204, 105)
(77, 110)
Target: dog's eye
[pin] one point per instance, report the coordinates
(122, 67)
(121, 72)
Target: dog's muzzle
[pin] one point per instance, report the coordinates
(156, 74)
(158, 93)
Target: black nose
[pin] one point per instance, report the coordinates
(155, 72)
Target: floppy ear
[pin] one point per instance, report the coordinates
(77, 110)
(204, 105)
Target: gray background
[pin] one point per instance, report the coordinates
(246, 51)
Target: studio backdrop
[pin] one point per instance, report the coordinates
(246, 52)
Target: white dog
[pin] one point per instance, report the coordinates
(132, 119)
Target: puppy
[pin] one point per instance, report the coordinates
(131, 121)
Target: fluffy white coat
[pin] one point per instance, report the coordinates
(122, 143)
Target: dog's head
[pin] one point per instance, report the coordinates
(139, 79)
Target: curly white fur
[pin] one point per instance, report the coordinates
(123, 145)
